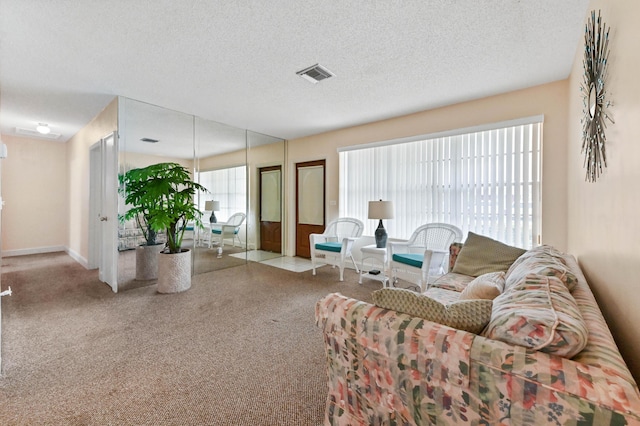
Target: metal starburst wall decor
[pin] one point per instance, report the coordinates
(595, 104)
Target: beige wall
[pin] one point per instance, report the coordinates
(549, 100)
(34, 177)
(604, 229)
(78, 178)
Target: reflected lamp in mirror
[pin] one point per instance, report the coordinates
(213, 207)
(380, 210)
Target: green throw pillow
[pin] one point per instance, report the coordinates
(467, 315)
(481, 255)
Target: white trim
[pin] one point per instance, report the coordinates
(37, 250)
(455, 132)
(78, 258)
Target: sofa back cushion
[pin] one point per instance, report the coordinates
(542, 260)
(467, 315)
(480, 255)
(538, 312)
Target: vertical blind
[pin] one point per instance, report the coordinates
(229, 186)
(485, 181)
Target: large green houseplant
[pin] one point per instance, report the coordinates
(162, 194)
(171, 183)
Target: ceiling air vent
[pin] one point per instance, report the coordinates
(315, 73)
(35, 134)
(149, 140)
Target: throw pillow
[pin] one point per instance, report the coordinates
(481, 255)
(542, 260)
(486, 286)
(539, 312)
(467, 315)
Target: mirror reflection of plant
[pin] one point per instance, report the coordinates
(133, 186)
(167, 194)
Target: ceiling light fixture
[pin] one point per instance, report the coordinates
(43, 128)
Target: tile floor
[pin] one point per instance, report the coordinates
(295, 264)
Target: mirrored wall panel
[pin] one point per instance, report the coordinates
(242, 172)
(221, 167)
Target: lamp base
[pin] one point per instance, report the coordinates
(212, 218)
(381, 236)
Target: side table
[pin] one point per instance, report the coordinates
(374, 258)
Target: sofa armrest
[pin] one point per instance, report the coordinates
(384, 364)
(548, 386)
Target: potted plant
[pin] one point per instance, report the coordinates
(134, 186)
(171, 186)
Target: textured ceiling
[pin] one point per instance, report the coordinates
(235, 62)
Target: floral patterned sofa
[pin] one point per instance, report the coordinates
(387, 367)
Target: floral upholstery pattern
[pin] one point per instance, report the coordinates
(389, 368)
(539, 313)
(452, 281)
(542, 260)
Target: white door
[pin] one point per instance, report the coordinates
(1, 266)
(103, 232)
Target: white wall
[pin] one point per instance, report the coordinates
(604, 230)
(35, 216)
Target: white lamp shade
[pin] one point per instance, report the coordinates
(380, 210)
(212, 206)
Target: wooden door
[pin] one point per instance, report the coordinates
(271, 209)
(310, 208)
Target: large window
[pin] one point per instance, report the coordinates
(229, 187)
(483, 180)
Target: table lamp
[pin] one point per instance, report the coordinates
(381, 210)
(214, 206)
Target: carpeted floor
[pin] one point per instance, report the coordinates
(239, 348)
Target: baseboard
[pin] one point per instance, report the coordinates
(37, 250)
(77, 257)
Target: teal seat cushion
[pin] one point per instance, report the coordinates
(219, 231)
(412, 259)
(335, 247)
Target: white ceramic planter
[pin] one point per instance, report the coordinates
(174, 272)
(147, 262)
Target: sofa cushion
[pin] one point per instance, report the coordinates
(486, 286)
(452, 281)
(468, 315)
(541, 260)
(539, 312)
(480, 255)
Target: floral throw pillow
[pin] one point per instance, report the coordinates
(539, 312)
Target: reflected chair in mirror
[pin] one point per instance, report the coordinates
(228, 230)
(333, 246)
(423, 257)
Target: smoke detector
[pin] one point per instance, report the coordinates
(315, 73)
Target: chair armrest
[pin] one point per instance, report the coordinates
(396, 247)
(317, 238)
(347, 245)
